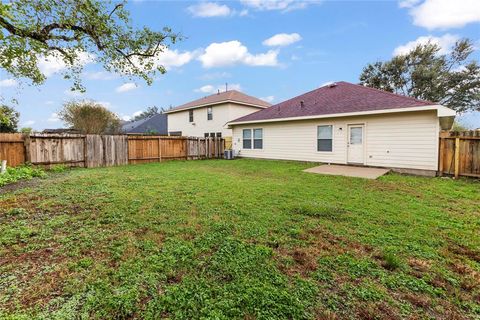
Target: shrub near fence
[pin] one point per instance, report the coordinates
(103, 150)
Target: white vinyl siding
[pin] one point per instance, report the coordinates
(221, 114)
(403, 140)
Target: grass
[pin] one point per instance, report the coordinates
(251, 239)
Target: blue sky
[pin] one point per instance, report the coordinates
(269, 49)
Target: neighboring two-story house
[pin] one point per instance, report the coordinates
(207, 116)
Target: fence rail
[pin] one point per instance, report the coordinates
(103, 150)
(459, 154)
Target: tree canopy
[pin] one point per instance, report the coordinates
(73, 31)
(151, 111)
(90, 117)
(424, 73)
(8, 119)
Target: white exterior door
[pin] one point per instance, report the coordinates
(356, 144)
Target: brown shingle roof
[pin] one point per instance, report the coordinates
(226, 96)
(343, 97)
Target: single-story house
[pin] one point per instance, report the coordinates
(345, 123)
(156, 124)
(207, 116)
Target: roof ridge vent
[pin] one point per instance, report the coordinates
(332, 85)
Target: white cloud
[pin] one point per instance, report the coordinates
(28, 123)
(100, 75)
(211, 89)
(54, 63)
(73, 93)
(8, 83)
(408, 3)
(105, 104)
(209, 9)
(130, 117)
(53, 117)
(234, 52)
(126, 87)
(281, 5)
(206, 89)
(173, 58)
(443, 14)
(445, 42)
(282, 39)
(268, 98)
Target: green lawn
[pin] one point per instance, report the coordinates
(250, 239)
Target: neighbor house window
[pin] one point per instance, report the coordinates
(206, 134)
(247, 138)
(219, 134)
(209, 113)
(257, 138)
(324, 138)
(190, 115)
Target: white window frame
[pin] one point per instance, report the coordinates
(193, 117)
(243, 139)
(333, 137)
(209, 113)
(253, 139)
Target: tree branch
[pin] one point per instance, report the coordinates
(116, 7)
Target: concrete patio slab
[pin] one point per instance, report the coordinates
(348, 171)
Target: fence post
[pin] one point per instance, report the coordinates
(159, 149)
(26, 144)
(198, 149)
(457, 157)
(440, 157)
(85, 152)
(207, 147)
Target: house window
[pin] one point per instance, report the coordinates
(209, 113)
(190, 115)
(247, 138)
(212, 134)
(219, 134)
(257, 138)
(325, 138)
(206, 134)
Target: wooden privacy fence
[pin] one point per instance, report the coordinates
(459, 153)
(103, 150)
(12, 148)
(143, 149)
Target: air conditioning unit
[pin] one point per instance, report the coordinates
(229, 154)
